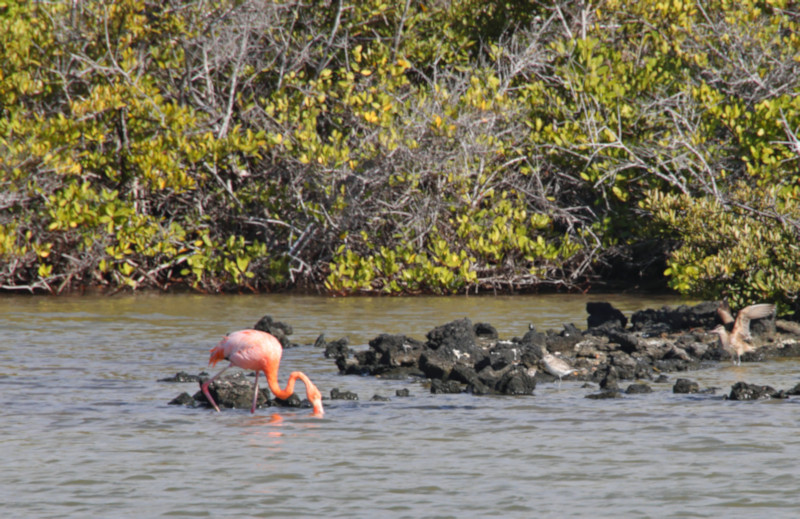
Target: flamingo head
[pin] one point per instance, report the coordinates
(315, 397)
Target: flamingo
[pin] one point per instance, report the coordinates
(739, 340)
(259, 351)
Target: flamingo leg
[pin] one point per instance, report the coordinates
(208, 383)
(255, 395)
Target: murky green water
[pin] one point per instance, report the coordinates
(85, 430)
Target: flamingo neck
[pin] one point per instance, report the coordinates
(311, 390)
(272, 381)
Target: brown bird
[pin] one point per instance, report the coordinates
(556, 366)
(739, 339)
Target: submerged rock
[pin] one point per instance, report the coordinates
(638, 389)
(745, 391)
(182, 399)
(605, 395)
(181, 376)
(685, 386)
(337, 394)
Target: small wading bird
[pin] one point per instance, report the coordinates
(259, 351)
(739, 340)
(555, 366)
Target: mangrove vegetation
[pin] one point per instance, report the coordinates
(401, 147)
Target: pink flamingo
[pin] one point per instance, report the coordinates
(259, 351)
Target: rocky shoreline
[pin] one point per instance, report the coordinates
(462, 356)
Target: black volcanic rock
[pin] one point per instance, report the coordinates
(638, 389)
(685, 386)
(234, 391)
(605, 315)
(673, 320)
(396, 350)
(181, 376)
(515, 381)
(337, 394)
(485, 331)
(456, 335)
(182, 399)
(745, 391)
(605, 395)
(279, 329)
(451, 386)
(335, 348)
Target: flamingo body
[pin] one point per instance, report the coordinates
(259, 351)
(247, 349)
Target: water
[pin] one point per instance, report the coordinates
(86, 432)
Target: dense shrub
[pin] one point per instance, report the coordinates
(409, 147)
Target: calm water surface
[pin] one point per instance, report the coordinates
(86, 431)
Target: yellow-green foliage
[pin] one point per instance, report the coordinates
(88, 151)
(387, 146)
(499, 245)
(732, 252)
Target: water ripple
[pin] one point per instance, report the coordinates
(87, 432)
